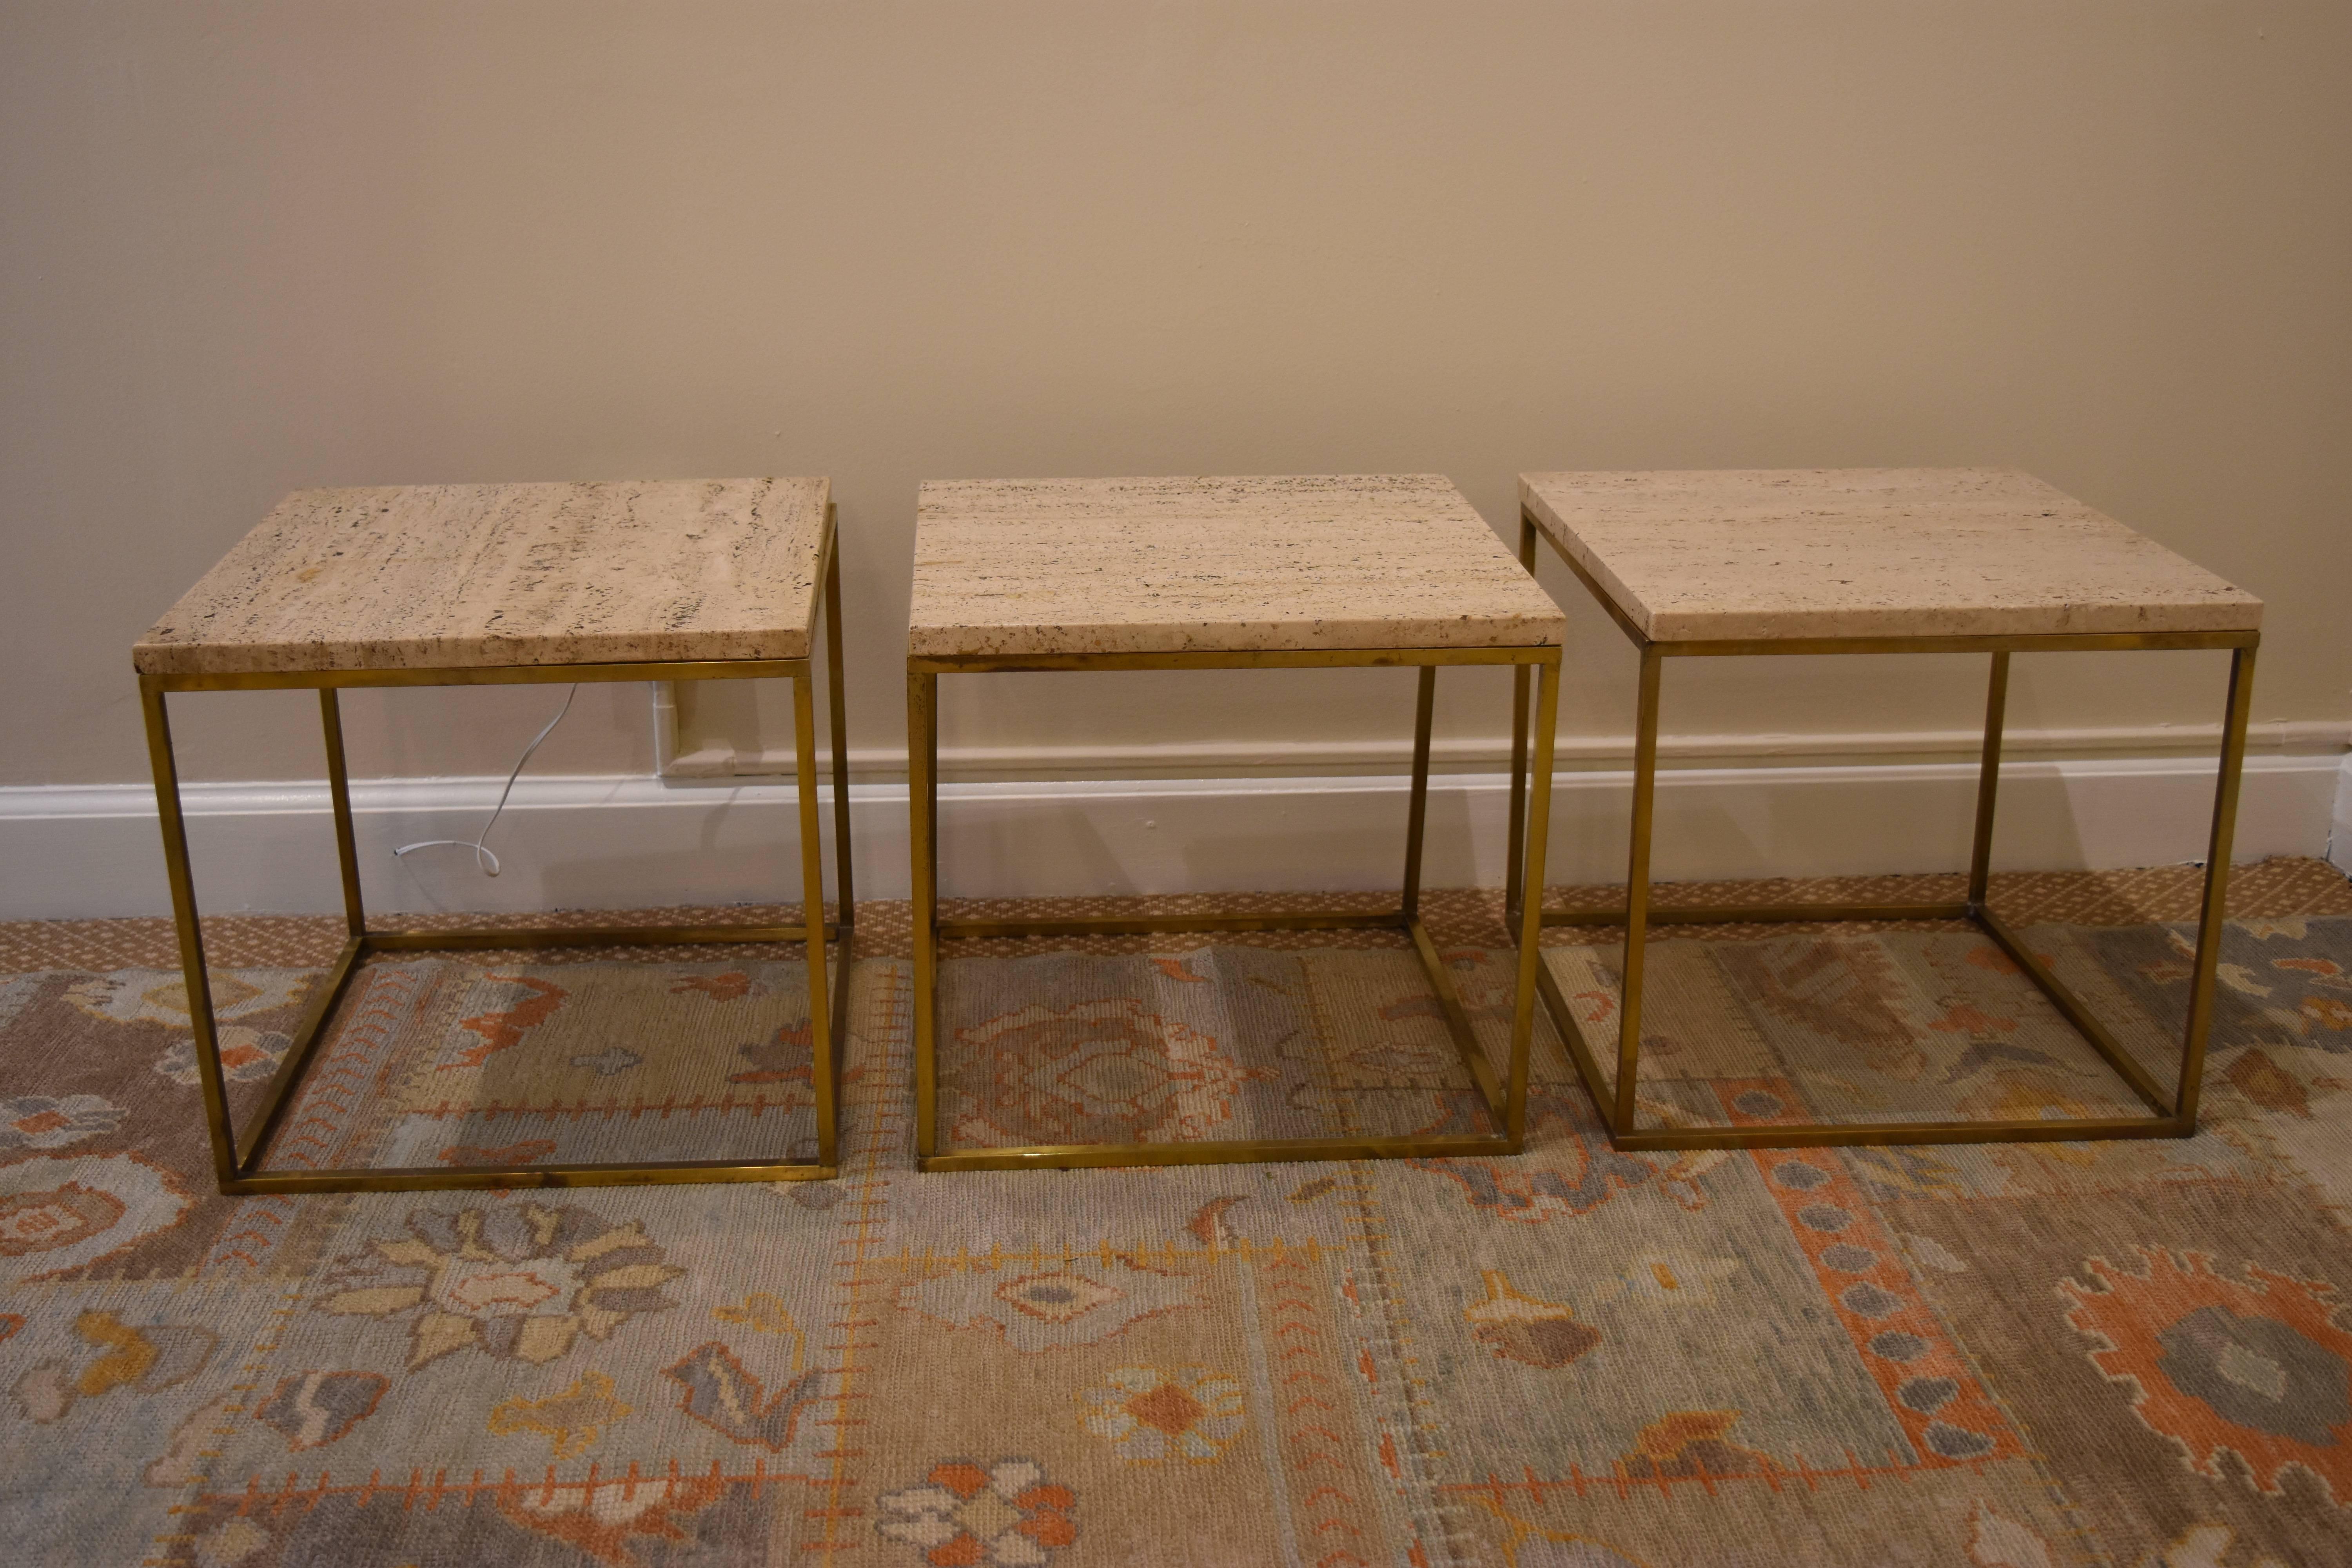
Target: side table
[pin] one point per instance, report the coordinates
(498, 584)
(1219, 573)
(1712, 564)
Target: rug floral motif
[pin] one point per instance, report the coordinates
(1996, 1356)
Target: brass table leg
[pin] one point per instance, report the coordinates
(923, 822)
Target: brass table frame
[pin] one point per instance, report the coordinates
(236, 1159)
(2171, 1116)
(1506, 1102)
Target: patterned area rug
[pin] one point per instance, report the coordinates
(2127, 1353)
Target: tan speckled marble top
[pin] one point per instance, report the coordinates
(1161, 565)
(1709, 555)
(434, 576)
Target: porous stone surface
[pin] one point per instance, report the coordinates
(437, 576)
(1709, 555)
(1201, 564)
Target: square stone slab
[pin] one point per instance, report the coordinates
(436, 576)
(1709, 554)
(1229, 565)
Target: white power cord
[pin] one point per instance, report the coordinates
(483, 855)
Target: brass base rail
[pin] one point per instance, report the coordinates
(2172, 1114)
(239, 1157)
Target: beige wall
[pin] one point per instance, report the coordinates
(252, 247)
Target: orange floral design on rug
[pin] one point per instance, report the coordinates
(517, 1282)
(1688, 1444)
(59, 1212)
(504, 1028)
(1527, 1328)
(2259, 1370)
(1106, 1071)
(1004, 1515)
(608, 1520)
(731, 985)
(1149, 1414)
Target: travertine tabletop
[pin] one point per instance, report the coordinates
(436, 576)
(1161, 565)
(1709, 555)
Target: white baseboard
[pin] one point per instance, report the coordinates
(2340, 838)
(77, 851)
